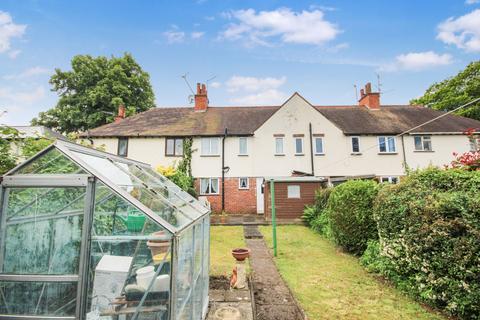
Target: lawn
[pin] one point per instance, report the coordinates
(330, 284)
(222, 240)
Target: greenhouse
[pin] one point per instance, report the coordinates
(89, 235)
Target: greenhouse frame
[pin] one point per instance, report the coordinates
(86, 234)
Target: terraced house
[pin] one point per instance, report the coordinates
(237, 148)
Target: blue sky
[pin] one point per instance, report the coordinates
(260, 52)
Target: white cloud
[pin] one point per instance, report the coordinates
(305, 27)
(8, 31)
(472, 2)
(463, 32)
(417, 61)
(256, 91)
(174, 36)
(215, 85)
(14, 53)
(197, 34)
(28, 73)
(10, 97)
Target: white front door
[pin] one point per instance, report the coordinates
(260, 196)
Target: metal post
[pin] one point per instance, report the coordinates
(274, 219)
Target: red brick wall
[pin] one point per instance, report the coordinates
(237, 201)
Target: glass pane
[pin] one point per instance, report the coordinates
(37, 298)
(382, 144)
(418, 143)
(214, 186)
(355, 145)
(123, 147)
(184, 275)
(214, 145)
(170, 147)
(279, 145)
(391, 144)
(242, 146)
(129, 254)
(427, 144)
(49, 163)
(197, 270)
(204, 186)
(179, 147)
(43, 230)
(206, 146)
(298, 146)
(318, 145)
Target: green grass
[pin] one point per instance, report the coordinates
(222, 240)
(330, 284)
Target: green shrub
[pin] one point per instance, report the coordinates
(315, 216)
(350, 214)
(429, 230)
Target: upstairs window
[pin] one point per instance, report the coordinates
(355, 144)
(279, 146)
(174, 147)
(242, 146)
(423, 143)
(211, 146)
(298, 146)
(319, 146)
(386, 145)
(122, 150)
(208, 186)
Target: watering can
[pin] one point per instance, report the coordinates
(134, 220)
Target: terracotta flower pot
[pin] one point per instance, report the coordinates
(158, 246)
(240, 254)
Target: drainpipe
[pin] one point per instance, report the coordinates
(311, 148)
(405, 165)
(224, 169)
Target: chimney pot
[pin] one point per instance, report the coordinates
(368, 98)
(201, 98)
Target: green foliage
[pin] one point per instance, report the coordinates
(350, 214)
(92, 91)
(7, 158)
(315, 216)
(429, 230)
(455, 91)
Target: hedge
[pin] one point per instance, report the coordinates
(315, 216)
(350, 214)
(429, 238)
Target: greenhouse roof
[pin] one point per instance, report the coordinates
(136, 182)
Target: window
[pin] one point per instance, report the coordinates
(386, 144)
(392, 180)
(174, 147)
(423, 143)
(279, 146)
(243, 183)
(298, 146)
(475, 143)
(211, 146)
(242, 146)
(294, 191)
(319, 145)
(208, 186)
(122, 147)
(355, 144)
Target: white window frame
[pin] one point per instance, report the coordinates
(283, 146)
(315, 146)
(422, 143)
(387, 145)
(389, 179)
(240, 183)
(351, 144)
(294, 191)
(209, 151)
(295, 146)
(209, 187)
(240, 153)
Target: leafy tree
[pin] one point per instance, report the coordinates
(92, 91)
(7, 158)
(455, 91)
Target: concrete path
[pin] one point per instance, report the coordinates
(273, 300)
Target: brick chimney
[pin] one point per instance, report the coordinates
(121, 113)
(201, 98)
(368, 98)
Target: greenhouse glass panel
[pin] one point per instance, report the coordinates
(88, 235)
(53, 161)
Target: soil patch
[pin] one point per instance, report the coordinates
(219, 283)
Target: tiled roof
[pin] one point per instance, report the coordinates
(246, 120)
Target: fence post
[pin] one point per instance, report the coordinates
(274, 219)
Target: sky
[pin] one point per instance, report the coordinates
(248, 52)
